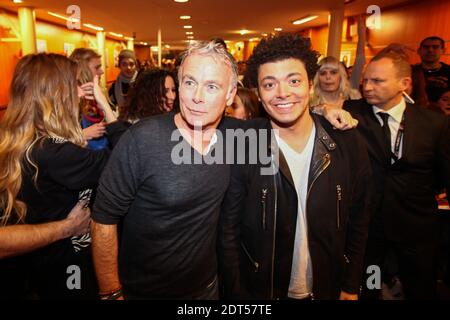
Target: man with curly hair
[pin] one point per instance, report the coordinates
(301, 232)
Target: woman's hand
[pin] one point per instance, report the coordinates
(95, 131)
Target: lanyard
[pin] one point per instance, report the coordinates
(398, 139)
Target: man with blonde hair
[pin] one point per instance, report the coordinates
(169, 211)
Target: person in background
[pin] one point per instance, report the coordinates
(245, 105)
(154, 92)
(128, 72)
(93, 116)
(46, 170)
(436, 72)
(331, 85)
(443, 103)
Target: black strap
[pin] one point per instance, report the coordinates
(387, 133)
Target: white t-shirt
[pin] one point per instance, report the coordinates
(301, 282)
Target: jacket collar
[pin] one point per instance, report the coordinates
(323, 145)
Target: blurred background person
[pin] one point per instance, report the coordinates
(92, 112)
(245, 105)
(153, 93)
(128, 72)
(331, 84)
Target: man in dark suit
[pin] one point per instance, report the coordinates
(409, 151)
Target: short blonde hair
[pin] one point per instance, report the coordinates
(214, 49)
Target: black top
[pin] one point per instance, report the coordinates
(169, 211)
(66, 174)
(437, 81)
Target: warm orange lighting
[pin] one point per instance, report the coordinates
(17, 1)
(278, 29)
(243, 31)
(181, 1)
(187, 27)
(185, 17)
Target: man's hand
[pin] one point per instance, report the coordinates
(95, 131)
(78, 220)
(339, 118)
(348, 296)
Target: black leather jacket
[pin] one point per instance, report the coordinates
(259, 214)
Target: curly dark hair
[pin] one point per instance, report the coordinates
(146, 96)
(280, 47)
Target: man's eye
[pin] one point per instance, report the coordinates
(268, 85)
(295, 81)
(212, 87)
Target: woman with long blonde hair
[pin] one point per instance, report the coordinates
(46, 168)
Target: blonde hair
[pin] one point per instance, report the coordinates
(43, 103)
(82, 56)
(214, 49)
(345, 89)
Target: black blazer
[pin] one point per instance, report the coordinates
(406, 209)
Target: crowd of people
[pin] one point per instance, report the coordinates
(90, 177)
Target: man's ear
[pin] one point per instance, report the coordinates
(230, 96)
(406, 83)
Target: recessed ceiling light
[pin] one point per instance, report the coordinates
(167, 46)
(91, 26)
(116, 34)
(187, 27)
(62, 17)
(278, 29)
(185, 17)
(304, 20)
(143, 43)
(189, 32)
(181, 1)
(243, 31)
(17, 1)
(190, 37)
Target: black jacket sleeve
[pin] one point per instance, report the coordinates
(360, 213)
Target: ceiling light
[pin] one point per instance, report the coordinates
(187, 27)
(129, 38)
(185, 17)
(167, 46)
(304, 20)
(17, 1)
(189, 32)
(91, 26)
(181, 1)
(243, 31)
(278, 29)
(190, 37)
(155, 49)
(254, 39)
(264, 34)
(143, 43)
(116, 34)
(62, 17)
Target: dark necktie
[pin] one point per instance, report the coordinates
(387, 134)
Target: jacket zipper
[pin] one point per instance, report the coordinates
(256, 264)
(324, 167)
(263, 203)
(274, 233)
(338, 210)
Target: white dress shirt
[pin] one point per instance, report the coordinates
(396, 114)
